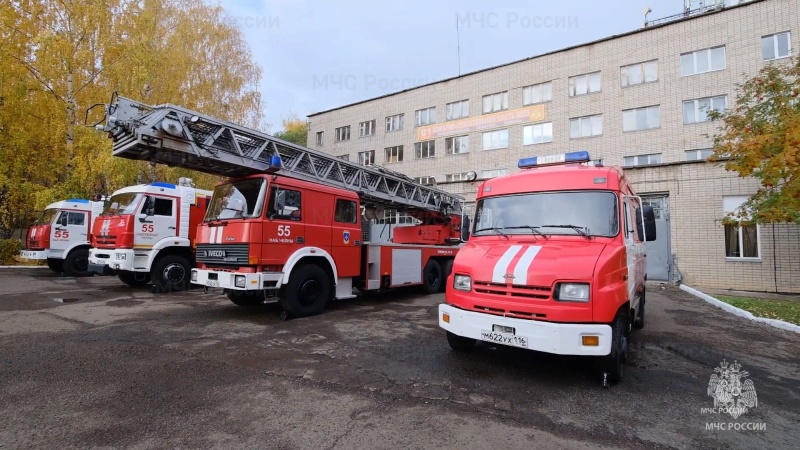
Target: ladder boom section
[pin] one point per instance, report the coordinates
(176, 136)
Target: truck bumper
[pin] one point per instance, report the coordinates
(33, 254)
(235, 280)
(548, 337)
(114, 260)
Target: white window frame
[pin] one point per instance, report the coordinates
(425, 116)
(344, 157)
(585, 84)
(628, 74)
(648, 159)
(538, 133)
(731, 204)
(498, 139)
(492, 173)
(395, 122)
(699, 55)
(366, 158)
(320, 137)
(366, 128)
(394, 154)
(342, 133)
(696, 154)
(496, 102)
(456, 176)
(457, 110)
(537, 93)
(697, 110)
(425, 149)
(644, 111)
(425, 180)
(463, 144)
(774, 40)
(595, 121)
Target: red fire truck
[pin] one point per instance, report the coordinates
(291, 222)
(555, 263)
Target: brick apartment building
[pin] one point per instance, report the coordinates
(637, 99)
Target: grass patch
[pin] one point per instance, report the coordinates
(786, 310)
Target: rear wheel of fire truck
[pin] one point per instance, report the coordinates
(246, 299)
(171, 273)
(638, 323)
(432, 277)
(56, 265)
(76, 264)
(307, 292)
(130, 278)
(447, 268)
(460, 343)
(614, 363)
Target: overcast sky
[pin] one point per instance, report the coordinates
(318, 55)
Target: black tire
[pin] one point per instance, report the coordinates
(432, 277)
(447, 269)
(460, 343)
(134, 279)
(56, 265)
(308, 291)
(614, 363)
(170, 273)
(246, 299)
(638, 323)
(76, 264)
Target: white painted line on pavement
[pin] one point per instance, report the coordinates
(740, 312)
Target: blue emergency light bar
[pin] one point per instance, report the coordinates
(77, 200)
(536, 161)
(164, 185)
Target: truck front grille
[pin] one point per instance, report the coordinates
(34, 244)
(106, 241)
(230, 254)
(537, 292)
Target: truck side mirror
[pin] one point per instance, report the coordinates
(149, 209)
(465, 229)
(649, 222)
(280, 201)
(62, 220)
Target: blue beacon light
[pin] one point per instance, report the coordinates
(563, 158)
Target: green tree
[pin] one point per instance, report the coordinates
(760, 137)
(294, 130)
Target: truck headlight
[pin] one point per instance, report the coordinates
(121, 256)
(239, 281)
(573, 292)
(194, 275)
(462, 283)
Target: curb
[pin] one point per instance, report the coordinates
(740, 312)
(23, 267)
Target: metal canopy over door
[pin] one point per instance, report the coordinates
(659, 252)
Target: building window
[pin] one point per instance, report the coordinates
(391, 216)
(366, 128)
(343, 133)
(776, 46)
(584, 84)
(320, 134)
(457, 144)
(742, 240)
(537, 93)
(637, 119)
(698, 154)
(425, 149)
(394, 123)
(644, 72)
(425, 116)
(394, 154)
(457, 110)
(494, 173)
(586, 126)
(495, 139)
(696, 110)
(537, 134)
(702, 61)
(642, 160)
(495, 102)
(366, 158)
(456, 176)
(344, 157)
(426, 180)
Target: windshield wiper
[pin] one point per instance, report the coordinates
(577, 229)
(495, 229)
(534, 230)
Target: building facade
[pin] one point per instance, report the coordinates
(639, 100)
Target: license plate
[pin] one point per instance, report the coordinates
(212, 283)
(27, 254)
(504, 338)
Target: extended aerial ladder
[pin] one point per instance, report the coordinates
(176, 136)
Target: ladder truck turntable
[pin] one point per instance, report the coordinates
(293, 222)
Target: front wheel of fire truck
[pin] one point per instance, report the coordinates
(56, 265)
(76, 264)
(460, 343)
(134, 279)
(613, 365)
(307, 292)
(171, 273)
(246, 299)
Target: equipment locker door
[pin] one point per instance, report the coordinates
(284, 229)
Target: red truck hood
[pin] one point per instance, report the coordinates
(530, 263)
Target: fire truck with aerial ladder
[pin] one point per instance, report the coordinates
(146, 234)
(291, 222)
(61, 236)
(556, 263)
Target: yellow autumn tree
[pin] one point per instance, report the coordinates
(294, 130)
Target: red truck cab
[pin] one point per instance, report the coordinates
(555, 263)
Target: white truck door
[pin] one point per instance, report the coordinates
(157, 220)
(70, 227)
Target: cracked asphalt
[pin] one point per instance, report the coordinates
(88, 363)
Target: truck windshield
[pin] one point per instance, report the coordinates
(586, 213)
(121, 204)
(237, 200)
(46, 217)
